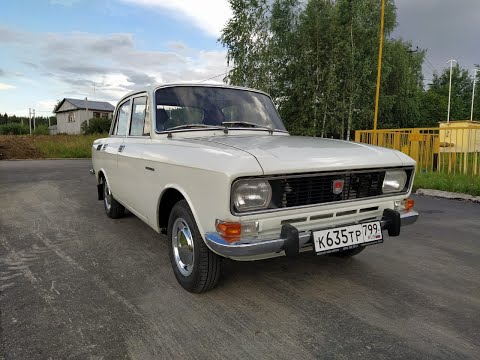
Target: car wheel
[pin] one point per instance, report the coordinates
(113, 208)
(349, 253)
(195, 266)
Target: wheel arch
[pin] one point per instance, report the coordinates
(101, 174)
(168, 198)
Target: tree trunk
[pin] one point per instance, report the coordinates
(350, 117)
(324, 120)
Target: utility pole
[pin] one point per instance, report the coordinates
(86, 110)
(34, 120)
(450, 88)
(473, 91)
(30, 120)
(379, 72)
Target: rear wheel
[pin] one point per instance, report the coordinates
(349, 253)
(112, 207)
(195, 266)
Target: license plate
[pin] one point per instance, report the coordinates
(347, 237)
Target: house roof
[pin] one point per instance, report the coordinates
(81, 104)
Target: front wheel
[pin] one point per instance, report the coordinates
(195, 266)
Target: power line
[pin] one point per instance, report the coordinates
(214, 77)
(430, 64)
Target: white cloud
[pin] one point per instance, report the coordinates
(210, 16)
(45, 106)
(102, 66)
(4, 86)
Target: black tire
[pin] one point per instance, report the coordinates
(349, 253)
(205, 270)
(113, 208)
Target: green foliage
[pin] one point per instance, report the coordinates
(318, 60)
(96, 126)
(41, 130)
(467, 184)
(14, 129)
(65, 146)
(39, 120)
(436, 97)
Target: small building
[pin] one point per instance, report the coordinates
(460, 136)
(71, 113)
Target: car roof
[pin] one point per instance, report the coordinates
(152, 88)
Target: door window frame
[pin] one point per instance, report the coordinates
(117, 114)
(147, 116)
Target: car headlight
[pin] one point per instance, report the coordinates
(251, 194)
(394, 181)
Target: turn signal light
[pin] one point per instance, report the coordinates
(409, 203)
(404, 205)
(230, 231)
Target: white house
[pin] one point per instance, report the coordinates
(71, 113)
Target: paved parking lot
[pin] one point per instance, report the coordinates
(76, 284)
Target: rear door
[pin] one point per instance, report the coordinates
(114, 145)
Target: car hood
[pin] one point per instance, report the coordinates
(278, 154)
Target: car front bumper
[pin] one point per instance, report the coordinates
(291, 242)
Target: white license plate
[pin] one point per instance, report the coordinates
(348, 237)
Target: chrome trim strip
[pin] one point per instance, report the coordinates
(326, 173)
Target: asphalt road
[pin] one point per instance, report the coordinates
(76, 284)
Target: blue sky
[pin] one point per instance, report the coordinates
(51, 49)
(102, 49)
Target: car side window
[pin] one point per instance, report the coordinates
(122, 119)
(139, 110)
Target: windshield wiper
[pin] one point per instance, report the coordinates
(246, 123)
(192, 126)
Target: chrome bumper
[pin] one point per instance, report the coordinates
(291, 241)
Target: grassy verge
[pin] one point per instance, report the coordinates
(467, 184)
(64, 146)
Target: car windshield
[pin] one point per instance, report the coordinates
(189, 107)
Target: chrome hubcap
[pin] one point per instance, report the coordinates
(107, 196)
(182, 243)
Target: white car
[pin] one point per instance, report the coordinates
(214, 168)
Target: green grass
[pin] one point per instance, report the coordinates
(65, 146)
(467, 184)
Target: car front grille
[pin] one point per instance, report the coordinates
(301, 190)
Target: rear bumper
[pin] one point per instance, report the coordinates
(291, 241)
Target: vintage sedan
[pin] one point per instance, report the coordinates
(213, 168)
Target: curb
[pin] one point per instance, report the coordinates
(447, 195)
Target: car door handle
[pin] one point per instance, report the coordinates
(120, 149)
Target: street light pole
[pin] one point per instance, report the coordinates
(450, 88)
(473, 91)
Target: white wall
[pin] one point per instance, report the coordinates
(74, 127)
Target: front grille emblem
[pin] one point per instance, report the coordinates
(337, 186)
